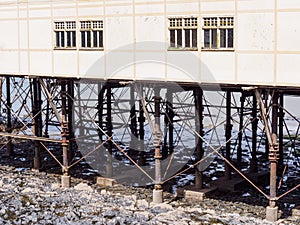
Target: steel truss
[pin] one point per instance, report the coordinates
(151, 133)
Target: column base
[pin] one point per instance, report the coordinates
(65, 181)
(272, 214)
(157, 196)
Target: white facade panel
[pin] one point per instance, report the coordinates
(288, 69)
(180, 7)
(288, 4)
(256, 31)
(90, 11)
(256, 69)
(41, 63)
(91, 64)
(9, 62)
(119, 33)
(40, 35)
(65, 63)
(120, 10)
(256, 5)
(288, 31)
(24, 62)
(120, 65)
(136, 42)
(9, 34)
(149, 9)
(217, 68)
(218, 6)
(150, 29)
(183, 66)
(24, 32)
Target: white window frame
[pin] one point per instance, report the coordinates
(213, 27)
(179, 27)
(93, 33)
(65, 35)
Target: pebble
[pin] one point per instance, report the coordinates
(36, 198)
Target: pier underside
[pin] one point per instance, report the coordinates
(154, 133)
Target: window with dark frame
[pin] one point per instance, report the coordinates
(65, 34)
(218, 32)
(91, 34)
(183, 33)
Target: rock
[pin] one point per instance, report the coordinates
(83, 187)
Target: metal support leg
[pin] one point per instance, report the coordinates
(157, 192)
(64, 133)
(253, 161)
(70, 110)
(141, 160)
(198, 95)
(133, 120)
(280, 130)
(36, 110)
(9, 145)
(168, 139)
(228, 134)
(109, 127)
(240, 135)
(272, 209)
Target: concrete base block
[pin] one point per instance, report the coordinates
(272, 214)
(296, 211)
(157, 196)
(194, 195)
(105, 181)
(65, 181)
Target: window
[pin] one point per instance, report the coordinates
(91, 34)
(218, 32)
(65, 34)
(183, 33)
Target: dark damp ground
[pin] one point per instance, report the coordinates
(22, 160)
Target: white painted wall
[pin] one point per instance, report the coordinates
(136, 36)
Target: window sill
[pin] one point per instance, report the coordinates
(182, 49)
(91, 49)
(217, 49)
(64, 48)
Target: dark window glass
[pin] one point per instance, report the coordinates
(207, 38)
(230, 38)
(179, 38)
(214, 38)
(223, 38)
(172, 38)
(69, 39)
(83, 39)
(57, 39)
(100, 38)
(187, 38)
(194, 38)
(89, 44)
(73, 38)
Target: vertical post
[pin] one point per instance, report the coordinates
(36, 110)
(101, 91)
(47, 115)
(240, 135)
(133, 120)
(64, 134)
(157, 192)
(228, 134)
(198, 95)
(253, 161)
(273, 150)
(141, 160)
(71, 119)
(109, 127)
(169, 115)
(9, 145)
(280, 131)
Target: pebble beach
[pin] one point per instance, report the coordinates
(32, 197)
